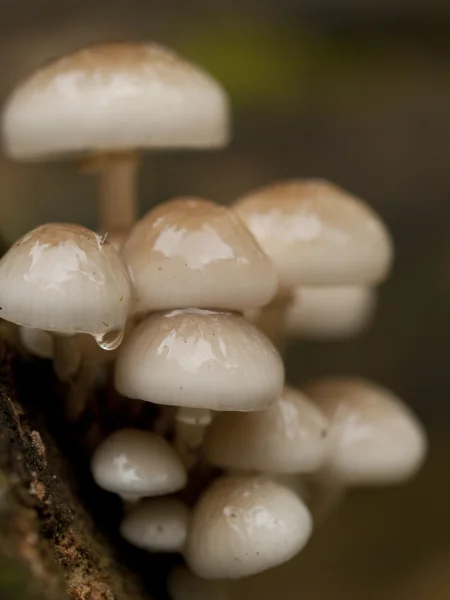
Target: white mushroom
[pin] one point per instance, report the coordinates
(288, 437)
(200, 359)
(157, 525)
(375, 437)
(190, 252)
(315, 233)
(135, 464)
(106, 102)
(67, 280)
(244, 525)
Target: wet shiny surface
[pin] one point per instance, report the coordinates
(137, 463)
(192, 252)
(243, 525)
(66, 278)
(200, 359)
(316, 233)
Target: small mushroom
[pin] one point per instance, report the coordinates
(315, 233)
(199, 359)
(288, 437)
(244, 525)
(157, 525)
(64, 279)
(375, 438)
(106, 102)
(183, 585)
(330, 312)
(134, 464)
(190, 252)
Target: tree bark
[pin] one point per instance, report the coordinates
(50, 548)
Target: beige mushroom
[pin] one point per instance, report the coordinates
(244, 525)
(288, 437)
(157, 525)
(315, 233)
(375, 438)
(134, 464)
(199, 359)
(190, 252)
(107, 101)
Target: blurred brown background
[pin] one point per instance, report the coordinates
(357, 92)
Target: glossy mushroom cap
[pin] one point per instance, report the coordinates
(245, 525)
(157, 525)
(135, 464)
(193, 252)
(200, 359)
(183, 585)
(63, 278)
(288, 437)
(317, 234)
(330, 312)
(375, 438)
(115, 97)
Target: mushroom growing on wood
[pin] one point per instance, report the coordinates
(106, 102)
(66, 279)
(375, 438)
(200, 359)
(315, 233)
(134, 464)
(157, 525)
(244, 525)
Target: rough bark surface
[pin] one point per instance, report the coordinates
(50, 548)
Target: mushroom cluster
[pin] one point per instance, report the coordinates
(236, 465)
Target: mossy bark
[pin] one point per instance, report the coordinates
(50, 547)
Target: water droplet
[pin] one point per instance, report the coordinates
(110, 340)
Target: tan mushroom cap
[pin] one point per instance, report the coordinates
(63, 278)
(288, 437)
(115, 97)
(193, 252)
(317, 234)
(244, 525)
(375, 437)
(330, 312)
(157, 525)
(200, 359)
(135, 464)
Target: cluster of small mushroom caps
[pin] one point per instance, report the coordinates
(204, 297)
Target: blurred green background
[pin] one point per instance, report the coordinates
(357, 92)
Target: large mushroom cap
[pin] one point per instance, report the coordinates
(288, 437)
(157, 525)
(200, 359)
(330, 312)
(317, 234)
(134, 463)
(114, 97)
(375, 438)
(244, 525)
(193, 252)
(67, 279)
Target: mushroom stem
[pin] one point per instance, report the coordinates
(117, 193)
(272, 320)
(190, 427)
(67, 357)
